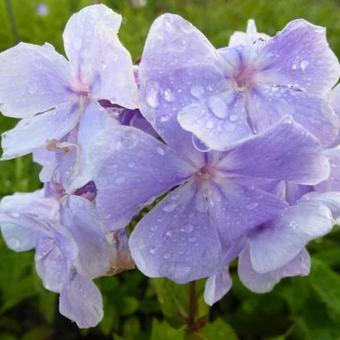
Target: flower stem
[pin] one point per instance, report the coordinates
(9, 9)
(191, 321)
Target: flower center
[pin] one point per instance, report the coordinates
(243, 79)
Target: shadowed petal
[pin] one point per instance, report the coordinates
(80, 300)
(277, 243)
(263, 283)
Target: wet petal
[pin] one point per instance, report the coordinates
(284, 152)
(300, 55)
(179, 66)
(98, 57)
(176, 239)
(81, 301)
(51, 264)
(265, 282)
(38, 131)
(132, 168)
(278, 242)
(217, 286)
(81, 219)
(41, 76)
(268, 104)
(219, 121)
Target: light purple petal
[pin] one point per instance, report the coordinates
(176, 239)
(237, 209)
(219, 120)
(178, 67)
(263, 283)
(39, 131)
(332, 183)
(278, 242)
(23, 216)
(81, 219)
(81, 301)
(284, 152)
(33, 79)
(132, 168)
(300, 55)
(98, 58)
(267, 104)
(51, 264)
(217, 286)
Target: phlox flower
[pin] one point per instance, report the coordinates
(72, 247)
(216, 197)
(52, 94)
(225, 95)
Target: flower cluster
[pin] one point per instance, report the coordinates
(241, 144)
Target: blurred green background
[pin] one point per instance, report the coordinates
(136, 307)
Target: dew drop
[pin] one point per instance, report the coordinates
(233, 118)
(304, 64)
(152, 96)
(168, 95)
(217, 106)
(160, 151)
(120, 180)
(152, 250)
(252, 206)
(170, 207)
(197, 91)
(187, 228)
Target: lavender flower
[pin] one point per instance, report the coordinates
(223, 96)
(54, 93)
(72, 248)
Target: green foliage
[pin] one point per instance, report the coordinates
(141, 308)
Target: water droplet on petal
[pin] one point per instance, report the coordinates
(120, 180)
(152, 250)
(197, 91)
(160, 151)
(199, 145)
(169, 207)
(233, 118)
(152, 95)
(252, 206)
(304, 64)
(217, 106)
(169, 96)
(187, 228)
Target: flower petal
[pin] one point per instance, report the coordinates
(98, 57)
(263, 283)
(179, 66)
(51, 264)
(268, 104)
(81, 301)
(81, 219)
(217, 286)
(176, 240)
(300, 55)
(285, 152)
(277, 243)
(38, 131)
(132, 168)
(33, 79)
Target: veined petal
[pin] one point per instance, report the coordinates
(284, 152)
(300, 55)
(265, 282)
(132, 168)
(278, 242)
(179, 66)
(98, 57)
(38, 131)
(33, 79)
(176, 239)
(80, 300)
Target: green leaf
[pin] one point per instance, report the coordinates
(162, 330)
(326, 284)
(173, 299)
(217, 330)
